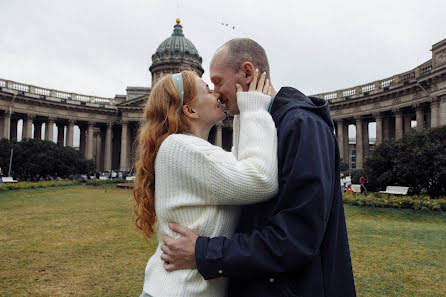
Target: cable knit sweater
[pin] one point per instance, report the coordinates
(199, 185)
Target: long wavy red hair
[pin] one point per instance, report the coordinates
(161, 119)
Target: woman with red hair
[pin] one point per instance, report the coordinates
(182, 178)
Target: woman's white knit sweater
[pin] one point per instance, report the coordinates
(199, 185)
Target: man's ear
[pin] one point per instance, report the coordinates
(189, 112)
(248, 71)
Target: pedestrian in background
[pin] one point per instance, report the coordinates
(363, 181)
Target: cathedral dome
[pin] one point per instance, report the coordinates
(174, 54)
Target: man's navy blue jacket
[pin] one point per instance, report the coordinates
(296, 243)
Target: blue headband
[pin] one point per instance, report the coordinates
(178, 81)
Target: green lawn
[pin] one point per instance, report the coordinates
(79, 241)
(397, 252)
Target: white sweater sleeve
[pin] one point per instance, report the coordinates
(252, 177)
(228, 181)
(235, 135)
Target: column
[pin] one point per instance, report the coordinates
(398, 124)
(24, 128)
(38, 130)
(98, 150)
(129, 144)
(3, 127)
(340, 135)
(60, 134)
(108, 147)
(123, 162)
(95, 139)
(428, 118)
(90, 133)
(6, 133)
(95, 145)
(407, 123)
(442, 111)
(13, 135)
(359, 144)
(420, 118)
(83, 140)
(386, 127)
(345, 143)
(28, 127)
(365, 140)
(49, 126)
(70, 133)
(435, 107)
(379, 129)
(219, 135)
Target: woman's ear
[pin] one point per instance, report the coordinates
(189, 111)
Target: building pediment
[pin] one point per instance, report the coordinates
(136, 102)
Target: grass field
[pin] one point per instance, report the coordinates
(81, 241)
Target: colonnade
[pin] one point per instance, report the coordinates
(111, 143)
(96, 139)
(390, 124)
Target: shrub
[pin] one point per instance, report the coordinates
(98, 182)
(35, 185)
(392, 201)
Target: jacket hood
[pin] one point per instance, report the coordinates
(290, 98)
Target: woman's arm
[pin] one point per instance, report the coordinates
(253, 176)
(235, 135)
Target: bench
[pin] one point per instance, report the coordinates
(356, 188)
(395, 190)
(8, 179)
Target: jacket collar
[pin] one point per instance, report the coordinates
(290, 98)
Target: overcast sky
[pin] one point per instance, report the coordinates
(101, 47)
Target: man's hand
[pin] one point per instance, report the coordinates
(179, 253)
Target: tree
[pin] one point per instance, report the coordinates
(418, 160)
(380, 166)
(412, 154)
(344, 166)
(36, 159)
(436, 168)
(5, 152)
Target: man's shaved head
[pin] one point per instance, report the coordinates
(242, 50)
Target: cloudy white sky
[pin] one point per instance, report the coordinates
(99, 48)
